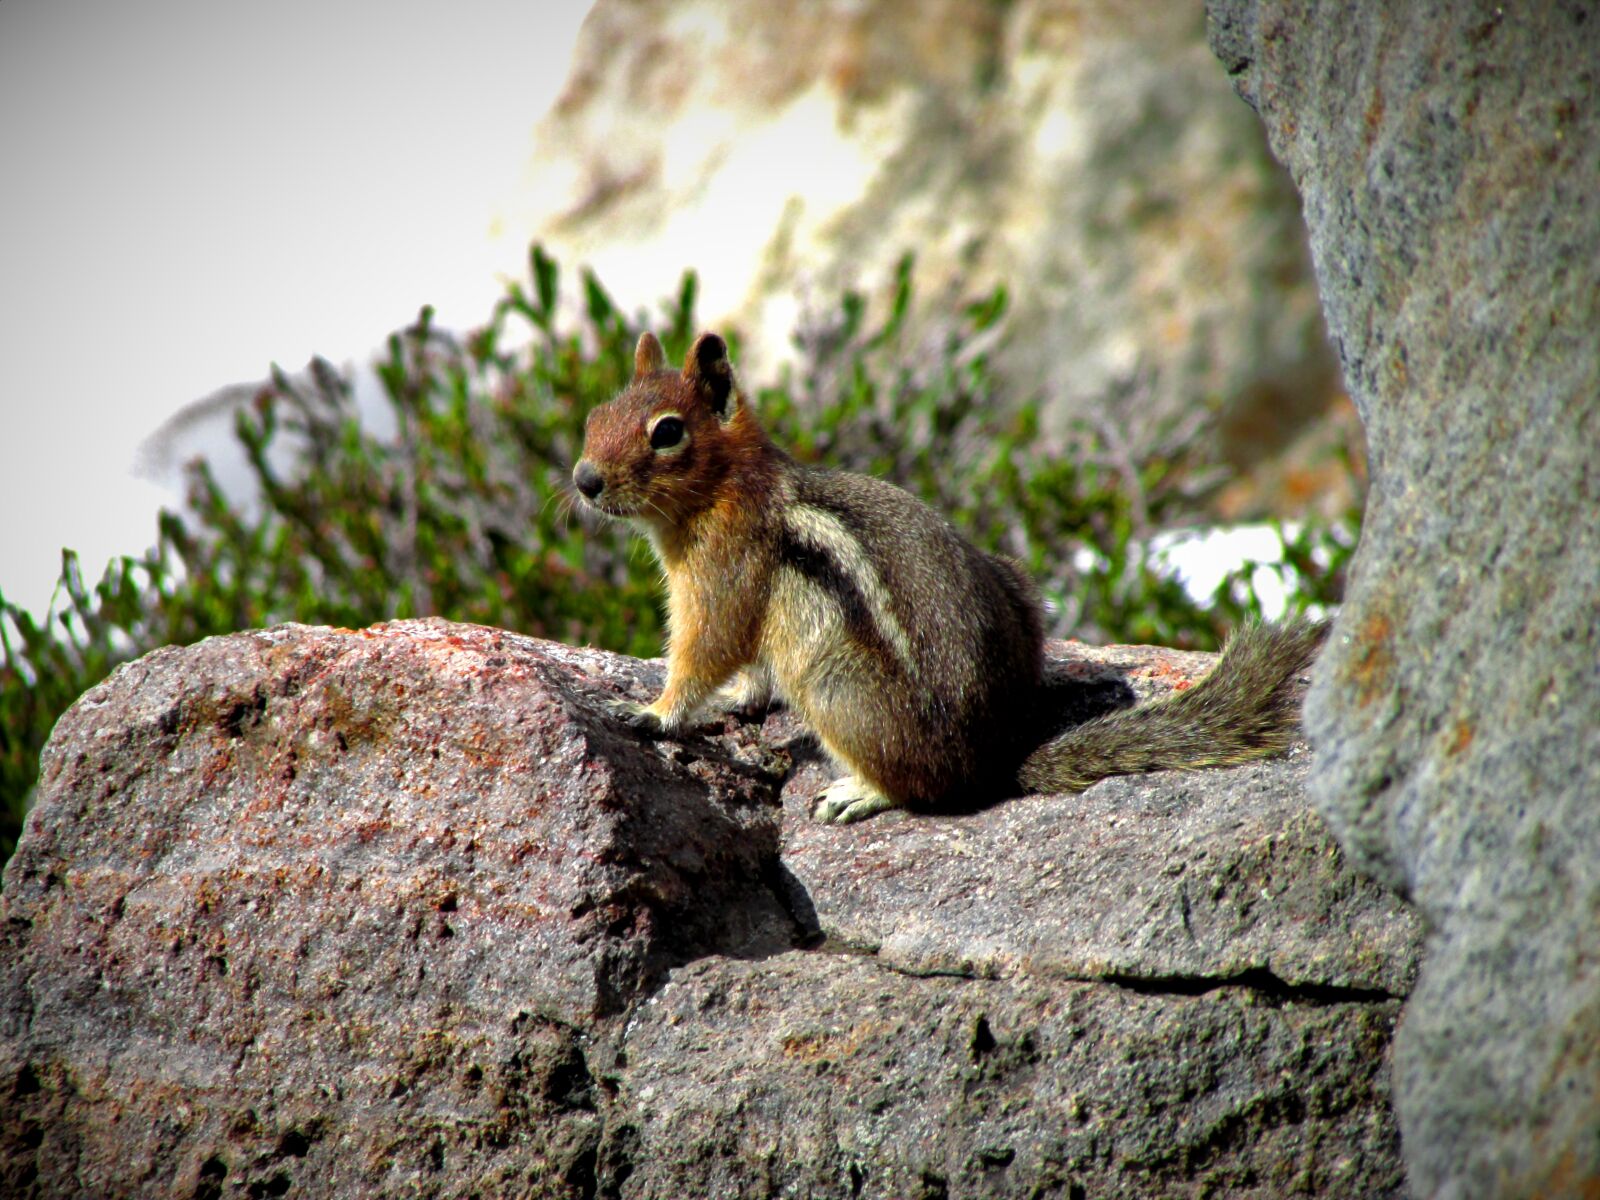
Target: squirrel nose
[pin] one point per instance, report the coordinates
(587, 479)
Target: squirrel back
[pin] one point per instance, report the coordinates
(914, 656)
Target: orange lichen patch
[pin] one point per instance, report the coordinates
(1177, 677)
(1374, 116)
(1370, 663)
(833, 1044)
(1399, 374)
(1460, 738)
(1564, 1180)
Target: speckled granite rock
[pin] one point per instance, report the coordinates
(313, 912)
(1448, 156)
(825, 1075)
(334, 908)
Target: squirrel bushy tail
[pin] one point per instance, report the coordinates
(1247, 707)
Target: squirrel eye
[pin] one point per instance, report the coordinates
(666, 432)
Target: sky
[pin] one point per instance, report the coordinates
(193, 191)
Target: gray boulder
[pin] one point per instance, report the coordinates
(1448, 158)
(403, 912)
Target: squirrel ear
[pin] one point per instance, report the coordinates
(648, 356)
(708, 370)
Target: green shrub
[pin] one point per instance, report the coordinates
(464, 510)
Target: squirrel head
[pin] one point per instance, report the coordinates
(659, 450)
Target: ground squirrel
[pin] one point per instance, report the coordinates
(915, 657)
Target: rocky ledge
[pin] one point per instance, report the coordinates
(318, 912)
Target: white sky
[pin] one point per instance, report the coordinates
(191, 191)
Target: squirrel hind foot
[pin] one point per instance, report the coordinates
(849, 799)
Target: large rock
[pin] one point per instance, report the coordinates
(1088, 156)
(401, 912)
(829, 1076)
(336, 908)
(1448, 156)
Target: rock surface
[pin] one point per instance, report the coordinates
(1448, 156)
(1089, 156)
(401, 912)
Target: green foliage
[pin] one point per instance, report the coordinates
(463, 509)
(1310, 568)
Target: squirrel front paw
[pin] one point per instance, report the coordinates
(639, 717)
